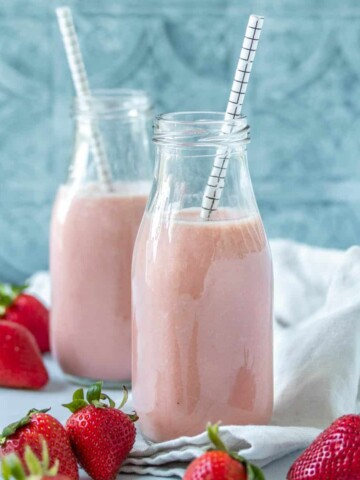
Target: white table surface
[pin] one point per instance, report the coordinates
(15, 403)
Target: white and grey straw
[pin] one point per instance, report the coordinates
(82, 88)
(216, 180)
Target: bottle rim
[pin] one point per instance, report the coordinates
(200, 129)
(114, 103)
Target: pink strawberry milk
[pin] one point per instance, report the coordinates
(92, 242)
(202, 288)
(93, 231)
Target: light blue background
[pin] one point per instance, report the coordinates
(303, 103)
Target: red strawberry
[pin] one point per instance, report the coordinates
(333, 455)
(215, 465)
(39, 469)
(21, 365)
(32, 430)
(25, 310)
(101, 435)
(220, 464)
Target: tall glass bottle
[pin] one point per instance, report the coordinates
(202, 289)
(93, 231)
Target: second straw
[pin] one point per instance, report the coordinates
(82, 88)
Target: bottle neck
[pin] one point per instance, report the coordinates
(196, 150)
(112, 127)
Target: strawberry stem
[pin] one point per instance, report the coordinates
(125, 397)
(213, 434)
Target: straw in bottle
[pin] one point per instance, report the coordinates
(216, 180)
(82, 88)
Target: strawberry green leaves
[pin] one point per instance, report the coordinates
(253, 472)
(13, 427)
(78, 401)
(11, 466)
(94, 396)
(41, 466)
(8, 293)
(94, 392)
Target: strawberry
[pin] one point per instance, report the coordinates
(333, 455)
(21, 365)
(221, 464)
(26, 310)
(215, 465)
(39, 469)
(31, 430)
(101, 435)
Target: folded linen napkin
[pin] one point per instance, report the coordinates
(317, 361)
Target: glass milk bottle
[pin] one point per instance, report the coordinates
(202, 289)
(94, 225)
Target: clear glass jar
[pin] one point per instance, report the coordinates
(202, 289)
(94, 225)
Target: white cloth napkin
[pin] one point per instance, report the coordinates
(317, 361)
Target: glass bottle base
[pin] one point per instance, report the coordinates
(86, 382)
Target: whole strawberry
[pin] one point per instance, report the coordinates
(220, 464)
(38, 468)
(31, 431)
(21, 365)
(101, 435)
(333, 455)
(26, 310)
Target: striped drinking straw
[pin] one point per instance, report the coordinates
(82, 88)
(216, 180)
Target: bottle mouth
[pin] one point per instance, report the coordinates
(200, 129)
(108, 104)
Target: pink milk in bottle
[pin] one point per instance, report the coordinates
(93, 232)
(202, 291)
(92, 241)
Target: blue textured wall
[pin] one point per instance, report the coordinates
(303, 103)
